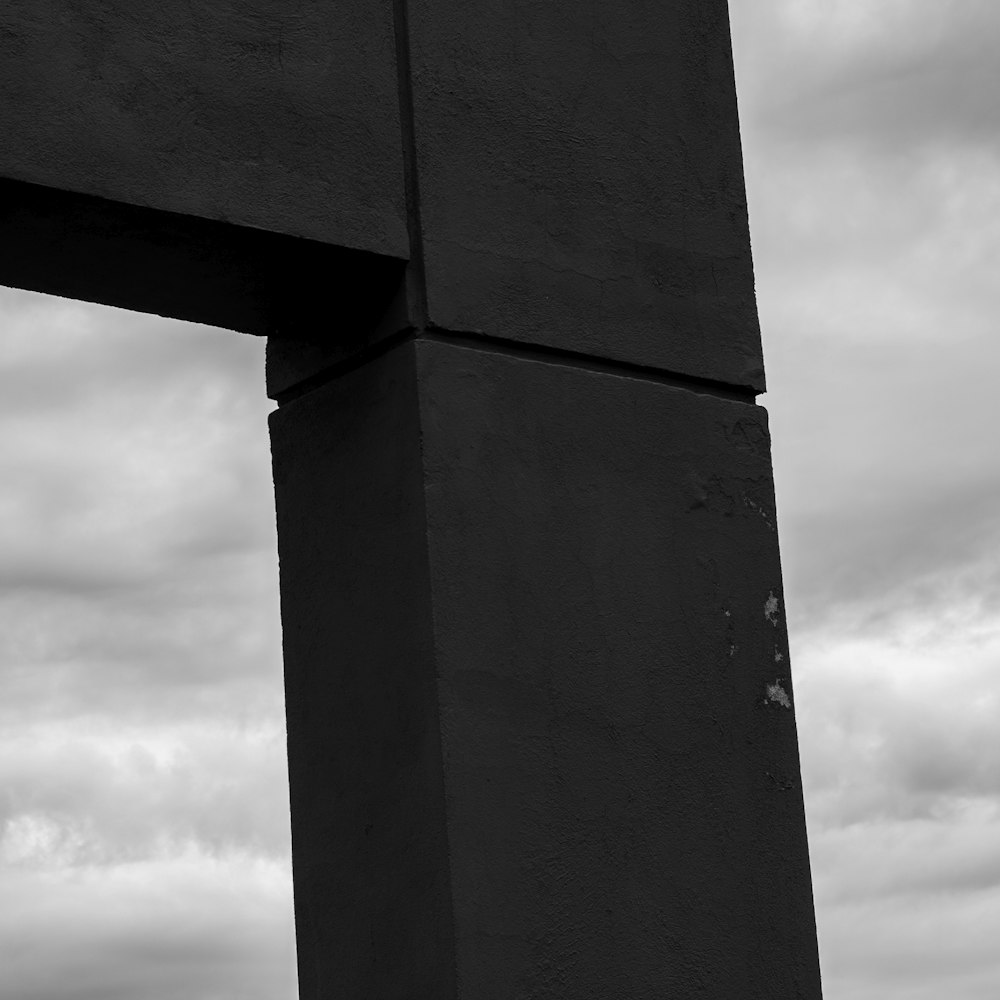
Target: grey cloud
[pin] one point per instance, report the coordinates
(221, 792)
(885, 747)
(870, 138)
(159, 656)
(168, 931)
(131, 455)
(56, 351)
(909, 908)
(138, 571)
(888, 493)
(893, 862)
(880, 349)
(922, 72)
(943, 949)
(71, 575)
(138, 589)
(879, 565)
(66, 540)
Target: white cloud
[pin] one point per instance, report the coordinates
(89, 795)
(144, 816)
(870, 133)
(187, 928)
(901, 723)
(137, 529)
(876, 283)
(889, 75)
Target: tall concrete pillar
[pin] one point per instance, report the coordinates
(541, 739)
(540, 719)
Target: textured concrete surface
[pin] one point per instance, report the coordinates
(573, 577)
(258, 112)
(624, 809)
(571, 181)
(203, 270)
(581, 182)
(372, 895)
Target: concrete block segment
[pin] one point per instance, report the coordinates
(580, 179)
(541, 736)
(574, 182)
(369, 848)
(262, 113)
(203, 270)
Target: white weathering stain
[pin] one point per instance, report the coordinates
(776, 693)
(771, 608)
(757, 509)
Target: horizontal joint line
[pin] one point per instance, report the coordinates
(590, 362)
(531, 352)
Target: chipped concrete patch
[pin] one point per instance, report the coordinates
(782, 783)
(777, 695)
(758, 509)
(729, 632)
(778, 655)
(771, 609)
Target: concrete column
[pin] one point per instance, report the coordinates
(540, 718)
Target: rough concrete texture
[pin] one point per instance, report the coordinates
(581, 181)
(573, 577)
(189, 268)
(259, 112)
(372, 900)
(571, 181)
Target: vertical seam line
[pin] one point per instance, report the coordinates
(415, 271)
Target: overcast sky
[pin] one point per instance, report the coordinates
(872, 143)
(143, 807)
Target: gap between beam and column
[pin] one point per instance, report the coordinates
(529, 352)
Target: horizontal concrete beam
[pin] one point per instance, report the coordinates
(276, 115)
(570, 182)
(206, 271)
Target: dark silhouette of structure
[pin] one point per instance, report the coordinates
(540, 728)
